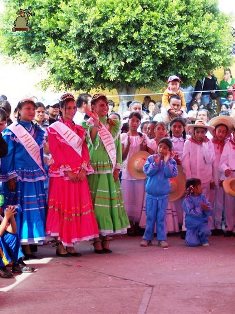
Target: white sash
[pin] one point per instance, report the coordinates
(108, 141)
(69, 136)
(28, 142)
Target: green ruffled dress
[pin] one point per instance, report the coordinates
(106, 193)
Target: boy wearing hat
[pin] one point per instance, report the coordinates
(173, 89)
(227, 168)
(159, 168)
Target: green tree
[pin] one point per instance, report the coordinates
(124, 44)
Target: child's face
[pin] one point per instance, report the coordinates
(39, 114)
(195, 107)
(145, 128)
(3, 125)
(174, 86)
(150, 130)
(163, 149)
(151, 106)
(175, 104)
(200, 134)
(134, 123)
(177, 129)
(221, 132)
(197, 190)
(160, 131)
(27, 112)
(230, 97)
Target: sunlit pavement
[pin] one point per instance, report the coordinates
(132, 279)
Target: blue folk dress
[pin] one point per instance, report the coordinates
(29, 196)
(196, 220)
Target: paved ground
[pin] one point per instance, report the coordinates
(130, 280)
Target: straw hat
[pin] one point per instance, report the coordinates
(200, 124)
(177, 185)
(226, 120)
(229, 186)
(136, 163)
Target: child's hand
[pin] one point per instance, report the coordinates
(176, 158)
(227, 172)
(157, 159)
(167, 156)
(10, 212)
(205, 206)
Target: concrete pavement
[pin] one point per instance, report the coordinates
(132, 279)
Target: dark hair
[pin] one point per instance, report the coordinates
(180, 120)
(175, 97)
(191, 184)
(82, 98)
(152, 122)
(135, 114)
(221, 124)
(3, 115)
(229, 94)
(20, 105)
(228, 70)
(6, 106)
(166, 141)
(161, 123)
(39, 104)
(3, 97)
(128, 103)
(125, 127)
(111, 103)
(143, 124)
(116, 114)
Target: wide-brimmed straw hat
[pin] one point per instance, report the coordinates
(177, 185)
(225, 120)
(136, 163)
(200, 124)
(229, 186)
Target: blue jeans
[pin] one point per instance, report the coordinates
(156, 214)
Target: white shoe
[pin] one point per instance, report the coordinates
(206, 244)
(163, 244)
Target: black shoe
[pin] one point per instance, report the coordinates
(4, 273)
(106, 251)
(217, 232)
(16, 269)
(75, 254)
(29, 256)
(228, 234)
(99, 251)
(183, 235)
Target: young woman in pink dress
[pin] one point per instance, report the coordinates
(71, 216)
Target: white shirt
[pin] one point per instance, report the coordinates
(79, 117)
(227, 159)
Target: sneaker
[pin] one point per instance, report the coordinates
(206, 244)
(163, 244)
(4, 273)
(19, 269)
(145, 243)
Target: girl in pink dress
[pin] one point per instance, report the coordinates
(71, 216)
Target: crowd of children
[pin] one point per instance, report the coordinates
(103, 182)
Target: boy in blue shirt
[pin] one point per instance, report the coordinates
(159, 168)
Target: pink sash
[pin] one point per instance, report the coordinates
(69, 136)
(108, 141)
(28, 142)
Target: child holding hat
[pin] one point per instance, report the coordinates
(223, 127)
(227, 167)
(159, 168)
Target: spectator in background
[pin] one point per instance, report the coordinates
(82, 102)
(40, 115)
(145, 104)
(193, 112)
(173, 89)
(7, 107)
(226, 85)
(188, 96)
(224, 110)
(207, 88)
(53, 112)
(111, 106)
(153, 109)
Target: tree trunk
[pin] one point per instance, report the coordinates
(126, 93)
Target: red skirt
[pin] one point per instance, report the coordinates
(70, 216)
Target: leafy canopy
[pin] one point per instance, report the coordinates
(115, 44)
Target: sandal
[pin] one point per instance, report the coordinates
(145, 243)
(106, 246)
(59, 245)
(98, 247)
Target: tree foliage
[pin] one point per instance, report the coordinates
(119, 44)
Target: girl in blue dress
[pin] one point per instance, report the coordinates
(197, 210)
(23, 175)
